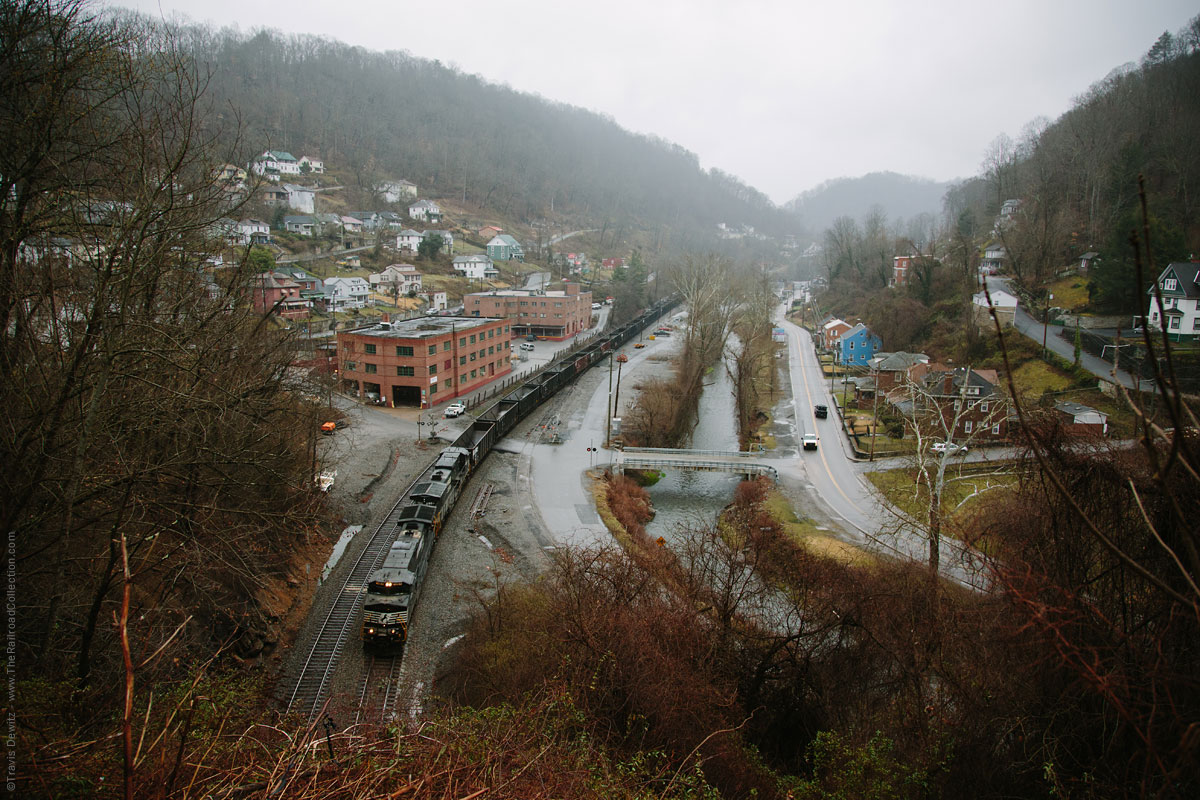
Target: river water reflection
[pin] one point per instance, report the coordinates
(691, 497)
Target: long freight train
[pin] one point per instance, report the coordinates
(393, 588)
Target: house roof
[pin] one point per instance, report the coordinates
(1000, 299)
(1187, 279)
(299, 219)
(833, 322)
(1075, 409)
(278, 155)
(900, 360)
(505, 239)
(423, 203)
(409, 232)
(477, 258)
(857, 329)
(291, 187)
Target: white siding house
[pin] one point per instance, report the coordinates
(344, 293)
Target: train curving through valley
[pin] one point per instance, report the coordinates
(416, 520)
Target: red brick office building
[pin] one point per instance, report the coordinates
(547, 315)
(418, 363)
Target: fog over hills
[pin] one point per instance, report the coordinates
(900, 196)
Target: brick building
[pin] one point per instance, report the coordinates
(547, 315)
(421, 362)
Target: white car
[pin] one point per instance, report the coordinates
(810, 441)
(951, 448)
(595, 306)
(455, 410)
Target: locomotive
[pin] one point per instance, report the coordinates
(393, 588)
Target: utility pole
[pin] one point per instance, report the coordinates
(1046, 323)
(874, 416)
(608, 418)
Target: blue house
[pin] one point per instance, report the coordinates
(858, 346)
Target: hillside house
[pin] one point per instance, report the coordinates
(900, 268)
(301, 199)
(254, 231)
(488, 231)
(831, 333)
(503, 247)
(1004, 304)
(425, 210)
(396, 279)
(436, 300)
(1179, 285)
(892, 370)
(275, 163)
(986, 412)
(307, 283)
(369, 220)
(342, 294)
(302, 224)
(408, 240)
(278, 294)
(995, 257)
(858, 346)
(447, 240)
(313, 165)
(396, 191)
(475, 266)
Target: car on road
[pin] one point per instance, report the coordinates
(531, 338)
(329, 427)
(951, 448)
(821, 412)
(639, 345)
(455, 410)
(810, 441)
(526, 346)
(595, 306)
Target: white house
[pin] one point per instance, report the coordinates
(408, 240)
(395, 191)
(254, 231)
(1004, 303)
(402, 277)
(436, 300)
(301, 199)
(310, 164)
(1179, 285)
(476, 266)
(994, 256)
(425, 210)
(274, 163)
(344, 293)
(351, 224)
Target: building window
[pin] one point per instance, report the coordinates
(369, 349)
(492, 333)
(406, 372)
(972, 391)
(472, 356)
(448, 363)
(1173, 324)
(968, 426)
(1169, 285)
(462, 360)
(433, 388)
(473, 373)
(462, 342)
(996, 429)
(983, 407)
(404, 351)
(433, 369)
(432, 349)
(472, 338)
(491, 349)
(350, 366)
(446, 345)
(370, 369)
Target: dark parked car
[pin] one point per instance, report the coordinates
(821, 411)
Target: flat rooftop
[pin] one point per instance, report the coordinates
(423, 327)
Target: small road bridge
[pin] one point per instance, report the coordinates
(662, 458)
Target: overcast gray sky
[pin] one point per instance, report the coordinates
(783, 94)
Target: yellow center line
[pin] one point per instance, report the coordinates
(821, 450)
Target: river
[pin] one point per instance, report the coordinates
(688, 498)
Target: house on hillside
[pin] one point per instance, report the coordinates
(254, 231)
(426, 210)
(488, 231)
(436, 300)
(995, 257)
(475, 266)
(831, 333)
(503, 247)
(369, 220)
(275, 163)
(1179, 285)
(1004, 304)
(396, 279)
(301, 199)
(986, 412)
(306, 282)
(396, 191)
(858, 346)
(900, 267)
(277, 293)
(408, 240)
(302, 224)
(892, 370)
(313, 165)
(342, 294)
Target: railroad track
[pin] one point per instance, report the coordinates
(312, 684)
(377, 694)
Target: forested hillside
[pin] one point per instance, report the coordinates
(488, 147)
(900, 197)
(1077, 178)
